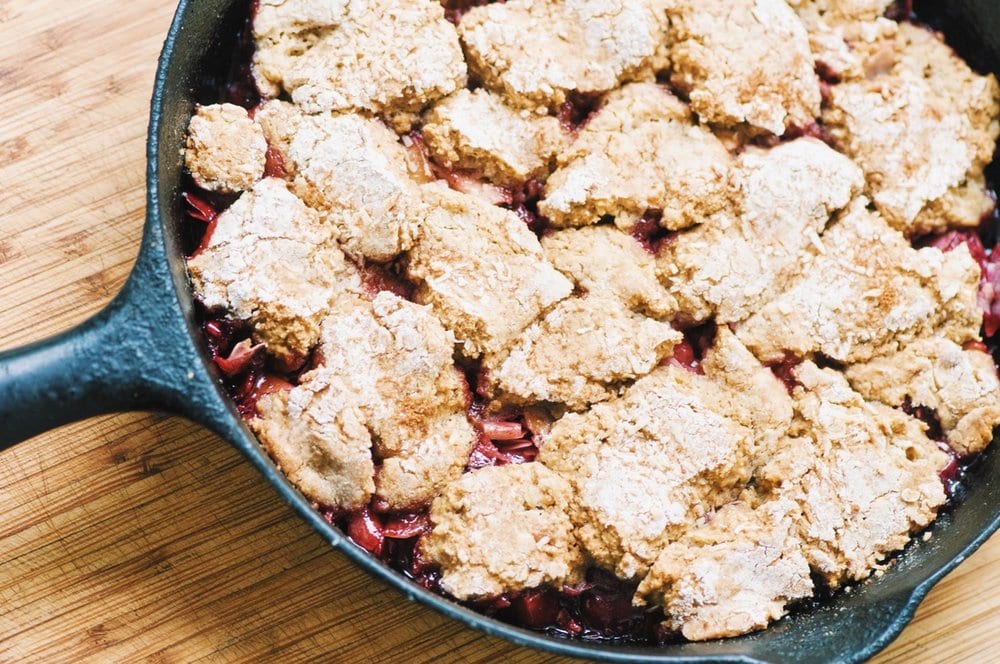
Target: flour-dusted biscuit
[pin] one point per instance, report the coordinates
(782, 200)
(959, 386)
(760, 400)
(580, 353)
(923, 132)
(477, 131)
(864, 475)
(732, 574)
(398, 360)
(537, 54)
(387, 57)
(353, 171)
(226, 151)
(317, 436)
(867, 292)
(604, 259)
(483, 271)
(271, 261)
(849, 38)
(743, 62)
(645, 466)
(502, 529)
(641, 152)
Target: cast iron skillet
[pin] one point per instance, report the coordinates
(144, 352)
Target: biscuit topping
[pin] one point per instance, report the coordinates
(388, 57)
(538, 54)
(923, 132)
(527, 506)
(625, 320)
(640, 152)
(743, 62)
(226, 151)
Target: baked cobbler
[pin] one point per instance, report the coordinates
(624, 319)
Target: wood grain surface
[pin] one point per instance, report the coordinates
(143, 538)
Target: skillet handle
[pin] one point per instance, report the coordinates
(136, 354)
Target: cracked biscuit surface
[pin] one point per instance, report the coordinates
(864, 475)
(353, 171)
(226, 151)
(645, 466)
(272, 262)
(865, 291)
(580, 352)
(603, 259)
(640, 152)
(537, 54)
(476, 131)
(849, 38)
(782, 200)
(387, 364)
(387, 57)
(527, 503)
(483, 271)
(733, 574)
(959, 386)
(922, 131)
(743, 62)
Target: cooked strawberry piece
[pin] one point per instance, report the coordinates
(954, 239)
(239, 359)
(499, 430)
(577, 111)
(256, 386)
(536, 608)
(566, 622)
(785, 371)
(607, 605)
(649, 233)
(454, 10)
(379, 278)
(469, 183)
(201, 211)
(975, 344)
(685, 356)
(405, 526)
(275, 164)
(366, 530)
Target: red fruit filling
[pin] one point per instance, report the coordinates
(203, 211)
(405, 526)
(454, 10)
(577, 111)
(365, 529)
(504, 438)
(274, 167)
(378, 278)
(785, 371)
(684, 355)
(466, 182)
(650, 234)
(524, 203)
(239, 360)
(951, 474)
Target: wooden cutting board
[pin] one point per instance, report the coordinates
(142, 537)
